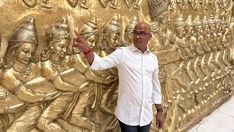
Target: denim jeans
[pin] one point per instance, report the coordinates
(127, 128)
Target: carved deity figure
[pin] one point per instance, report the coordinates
(113, 3)
(204, 32)
(183, 47)
(83, 3)
(133, 4)
(201, 45)
(90, 32)
(189, 36)
(104, 100)
(129, 30)
(21, 76)
(33, 3)
(111, 35)
(75, 81)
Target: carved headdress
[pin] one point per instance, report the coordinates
(89, 28)
(130, 27)
(189, 21)
(60, 30)
(197, 21)
(204, 20)
(180, 21)
(157, 7)
(112, 26)
(25, 32)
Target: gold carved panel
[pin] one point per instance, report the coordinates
(46, 84)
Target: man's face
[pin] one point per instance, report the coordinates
(25, 53)
(141, 35)
(59, 48)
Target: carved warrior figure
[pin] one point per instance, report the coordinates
(113, 3)
(30, 3)
(9, 103)
(33, 3)
(133, 4)
(73, 77)
(104, 99)
(90, 32)
(111, 36)
(129, 30)
(22, 76)
(84, 3)
(182, 46)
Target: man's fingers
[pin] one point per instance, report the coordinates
(159, 124)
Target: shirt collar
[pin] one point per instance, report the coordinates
(134, 49)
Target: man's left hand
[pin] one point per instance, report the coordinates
(159, 119)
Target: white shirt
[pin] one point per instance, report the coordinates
(139, 86)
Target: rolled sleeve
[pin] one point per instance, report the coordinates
(112, 60)
(156, 95)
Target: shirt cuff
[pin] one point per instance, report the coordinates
(94, 65)
(157, 100)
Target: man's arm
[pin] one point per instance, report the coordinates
(157, 99)
(96, 62)
(159, 116)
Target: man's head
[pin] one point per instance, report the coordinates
(141, 35)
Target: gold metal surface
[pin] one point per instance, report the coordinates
(45, 82)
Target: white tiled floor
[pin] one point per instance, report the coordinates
(221, 120)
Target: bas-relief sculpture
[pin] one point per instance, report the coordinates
(46, 85)
(203, 67)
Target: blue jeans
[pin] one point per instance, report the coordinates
(127, 128)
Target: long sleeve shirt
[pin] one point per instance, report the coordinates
(139, 86)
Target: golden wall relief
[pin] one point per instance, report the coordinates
(46, 84)
(195, 51)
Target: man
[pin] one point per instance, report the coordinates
(139, 85)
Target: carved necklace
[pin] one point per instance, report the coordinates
(24, 72)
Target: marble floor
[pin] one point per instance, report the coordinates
(221, 120)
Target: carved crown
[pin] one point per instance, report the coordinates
(59, 30)
(25, 32)
(89, 28)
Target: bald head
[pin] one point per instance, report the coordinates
(143, 25)
(141, 35)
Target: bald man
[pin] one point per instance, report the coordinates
(139, 86)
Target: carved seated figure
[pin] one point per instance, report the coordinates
(21, 76)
